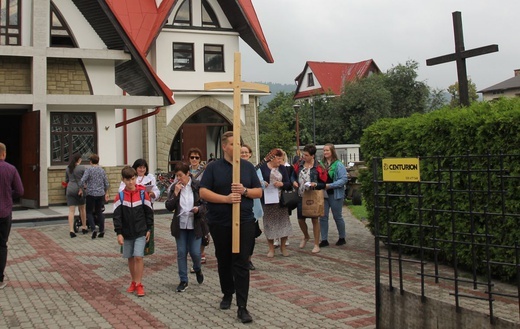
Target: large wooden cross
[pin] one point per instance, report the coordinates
(460, 56)
(237, 85)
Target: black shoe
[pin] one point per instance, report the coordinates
(324, 243)
(84, 231)
(244, 315)
(94, 234)
(341, 242)
(225, 304)
(251, 266)
(200, 276)
(101, 234)
(182, 286)
(72, 234)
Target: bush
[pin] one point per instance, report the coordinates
(485, 137)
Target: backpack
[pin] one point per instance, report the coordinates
(149, 248)
(122, 196)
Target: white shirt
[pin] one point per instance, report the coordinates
(186, 203)
(148, 182)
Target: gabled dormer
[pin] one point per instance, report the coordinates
(328, 78)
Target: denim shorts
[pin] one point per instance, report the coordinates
(134, 247)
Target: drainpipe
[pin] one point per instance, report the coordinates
(125, 139)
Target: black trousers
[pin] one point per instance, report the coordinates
(233, 269)
(5, 230)
(95, 205)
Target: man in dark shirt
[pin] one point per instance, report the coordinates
(10, 187)
(217, 189)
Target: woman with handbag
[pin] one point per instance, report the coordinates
(277, 224)
(308, 175)
(73, 176)
(335, 188)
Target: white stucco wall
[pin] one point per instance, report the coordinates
(193, 80)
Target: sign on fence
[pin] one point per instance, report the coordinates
(401, 170)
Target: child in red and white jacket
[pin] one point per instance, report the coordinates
(133, 222)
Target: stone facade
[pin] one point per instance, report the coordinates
(166, 132)
(15, 75)
(56, 175)
(66, 77)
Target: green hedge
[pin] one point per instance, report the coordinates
(486, 129)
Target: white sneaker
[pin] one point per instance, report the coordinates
(2, 285)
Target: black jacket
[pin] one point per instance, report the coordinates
(199, 222)
(133, 217)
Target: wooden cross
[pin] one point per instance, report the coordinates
(460, 56)
(237, 85)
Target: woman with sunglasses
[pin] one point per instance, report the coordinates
(196, 169)
(196, 172)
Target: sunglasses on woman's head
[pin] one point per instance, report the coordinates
(194, 157)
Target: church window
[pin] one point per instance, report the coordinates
(10, 25)
(60, 33)
(183, 56)
(72, 133)
(183, 16)
(214, 58)
(209, 19)
(310, 80)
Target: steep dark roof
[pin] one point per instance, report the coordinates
(512, 83)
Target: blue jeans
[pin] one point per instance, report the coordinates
(336, 205)
(134, 247)
(187, 242)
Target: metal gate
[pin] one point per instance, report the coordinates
(464, 212)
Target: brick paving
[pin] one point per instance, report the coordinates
(58, 282)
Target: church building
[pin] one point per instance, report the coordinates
(122, 79)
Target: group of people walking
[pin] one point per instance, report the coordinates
(201, 199)
(86, 189)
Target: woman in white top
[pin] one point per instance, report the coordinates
(145, 179)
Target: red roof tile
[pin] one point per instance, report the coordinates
(333, 76)
(142, 21)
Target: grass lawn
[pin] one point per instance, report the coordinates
(359, 212)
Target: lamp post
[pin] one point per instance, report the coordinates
(313, 123)
(296, 108)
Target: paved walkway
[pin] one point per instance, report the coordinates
(58, 282)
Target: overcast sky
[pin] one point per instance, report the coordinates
(388, 31)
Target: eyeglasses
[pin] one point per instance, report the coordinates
(194, 157)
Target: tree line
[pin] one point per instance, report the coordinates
(341, 120)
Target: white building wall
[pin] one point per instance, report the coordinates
(193, 80)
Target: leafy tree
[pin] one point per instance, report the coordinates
(436, 100)
(455, 94)
(408, 95)
(362, 103)
(277, 124)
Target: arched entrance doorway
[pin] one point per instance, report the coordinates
(202, 130)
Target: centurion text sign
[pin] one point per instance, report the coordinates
(401, 170)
